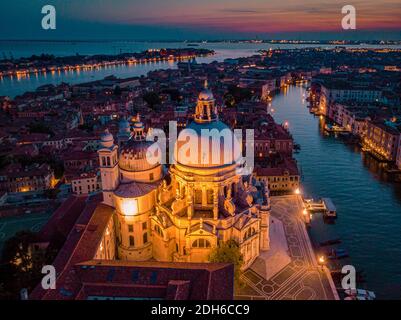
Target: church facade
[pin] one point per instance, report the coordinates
(181, 213)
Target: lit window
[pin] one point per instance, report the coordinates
(201, 243)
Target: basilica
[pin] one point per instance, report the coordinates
(180, 212)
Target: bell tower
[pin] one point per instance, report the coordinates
(108, 160)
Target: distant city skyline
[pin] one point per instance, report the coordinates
(200, 20)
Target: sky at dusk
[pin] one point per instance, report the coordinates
(200, 19)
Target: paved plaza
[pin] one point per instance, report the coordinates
(298, 276)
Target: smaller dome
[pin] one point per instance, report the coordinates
(123, 124)
(106, 139)
(135, 156)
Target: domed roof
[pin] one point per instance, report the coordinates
(106, 139)
(123, 124)
(135, 155)
(207, 145)
(207, 142)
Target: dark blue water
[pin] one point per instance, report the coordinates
(368, 207)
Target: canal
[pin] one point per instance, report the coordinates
(368, 206)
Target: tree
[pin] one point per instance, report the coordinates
(174, 94)
(21, 267)
(229, 100)
(40, 127)
(117, 91)
(16, 250)
(239, 94)
(152, 99)
(4, 161)
(229, 252)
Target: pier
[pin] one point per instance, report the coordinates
(325, 205)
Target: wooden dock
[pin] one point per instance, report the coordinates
(325, 205)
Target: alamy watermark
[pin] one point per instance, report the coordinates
(348, 281)
(49, 20)
(49, 280)
(203, 147)
(349, 20)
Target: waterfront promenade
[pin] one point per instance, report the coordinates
(300, 278)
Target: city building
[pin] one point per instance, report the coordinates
(17, 178)
(86, 182)
(342, 91)
(382, 139)
(282, 178)
(398, 160)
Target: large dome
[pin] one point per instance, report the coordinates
(207, 145)
(207, 142)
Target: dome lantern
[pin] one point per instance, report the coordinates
(138, 128)
(205, 108)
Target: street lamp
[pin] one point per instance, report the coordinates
(322, 261)
(297, 191)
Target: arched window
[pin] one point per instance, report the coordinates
(249, 233)
(198, 196)
(201, 243)
(145, 238)
(131, 241)
(210, 196)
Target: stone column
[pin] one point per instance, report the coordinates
(204, 196)
(215, 203)
(190, 208)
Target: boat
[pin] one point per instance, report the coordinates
(330, 208)
(361, 294)
(297, 146)
(330, 242)
(344, 134)
(334, 128)
(338, 254)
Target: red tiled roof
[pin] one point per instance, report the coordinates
(64, 217)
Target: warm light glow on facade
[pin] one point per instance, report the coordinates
(129, 207)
